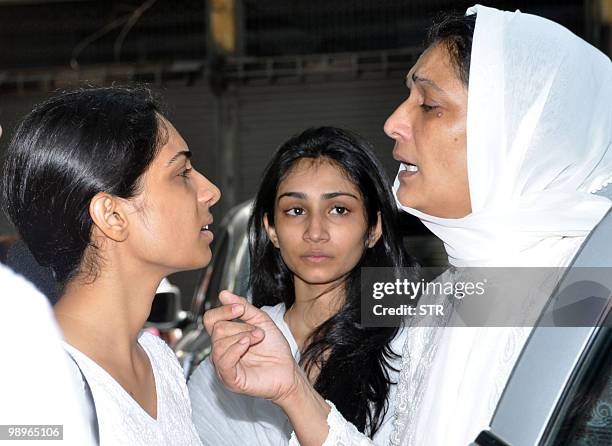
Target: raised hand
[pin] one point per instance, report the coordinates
(254, 358)
(251, 357)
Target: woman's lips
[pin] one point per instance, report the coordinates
(316, 258)
(207, 234)
(408, 170)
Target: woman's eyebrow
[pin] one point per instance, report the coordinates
(330, 195)
(186, 153)
(300, 195)
(325, 196)
(423, 80)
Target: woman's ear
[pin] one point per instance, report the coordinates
(271, 231)
(109, 216)
(375, 232)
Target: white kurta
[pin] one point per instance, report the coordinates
(122, 421)
(225, 418)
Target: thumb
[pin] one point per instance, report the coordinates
(251, 314)
(227, 298)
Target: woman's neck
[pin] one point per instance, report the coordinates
(104, 317)
(314, 304)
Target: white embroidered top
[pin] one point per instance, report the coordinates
(223, 417)
(122, 421)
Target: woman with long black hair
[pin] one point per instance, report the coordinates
(323, 211)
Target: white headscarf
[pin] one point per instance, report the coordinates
(539, 126)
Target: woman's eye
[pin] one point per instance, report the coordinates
(185, 172)
(428, 108)
(339, 210)
(295, 212)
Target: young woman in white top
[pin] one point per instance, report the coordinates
(323, 211)
(100, 186)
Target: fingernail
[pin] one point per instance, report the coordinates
(257, 332)
(236, 309)
(244, 341)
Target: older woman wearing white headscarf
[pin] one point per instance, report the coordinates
(539, 126)
(504, 173)
(538, 145)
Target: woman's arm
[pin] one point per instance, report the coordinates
(316, 422)
(307, 411)
(252, 357)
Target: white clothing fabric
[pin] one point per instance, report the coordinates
(36, 385)
(225, 418)
(539, 135)
(341, 433)
(122, 421)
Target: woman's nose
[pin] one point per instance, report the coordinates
(207, 192)
(316, 230)
(398, 125)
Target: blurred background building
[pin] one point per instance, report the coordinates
(241, 76)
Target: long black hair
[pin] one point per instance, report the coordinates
(66, 150)
(353, 360)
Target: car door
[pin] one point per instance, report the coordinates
(560, 391)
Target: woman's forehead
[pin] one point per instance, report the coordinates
(174, 144)
(326, 173)
(434, 65)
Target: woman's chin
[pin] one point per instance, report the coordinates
(205, 260)
(406, 198)
(201, 261)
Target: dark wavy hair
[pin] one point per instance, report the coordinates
(66, 150)
(353, 360)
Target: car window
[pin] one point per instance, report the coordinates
(587, 417)
(244, 267)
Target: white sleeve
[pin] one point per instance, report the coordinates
(223, 417)
(341, 432)
(207, 407)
